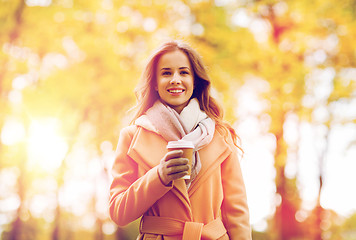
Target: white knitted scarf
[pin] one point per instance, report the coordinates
(191, 124)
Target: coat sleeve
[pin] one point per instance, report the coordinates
(132, 195)
(235, 213)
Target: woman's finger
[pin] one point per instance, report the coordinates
(176, 162)
(177, 169)
(173, 154)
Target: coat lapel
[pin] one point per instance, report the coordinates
(147, 149)
(211, 156)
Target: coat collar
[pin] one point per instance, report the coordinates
(147, 157)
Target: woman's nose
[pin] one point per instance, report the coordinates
(176, 79)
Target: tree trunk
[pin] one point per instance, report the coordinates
(281, 211)
(319, 210)
(16, 228)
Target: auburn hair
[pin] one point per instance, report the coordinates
(147, 95)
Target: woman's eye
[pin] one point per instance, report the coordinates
(184, 72)
(166, 73)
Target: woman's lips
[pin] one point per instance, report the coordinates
(175, 91)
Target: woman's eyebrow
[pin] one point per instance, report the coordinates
(164, 69)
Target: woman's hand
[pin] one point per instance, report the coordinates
(172, 166)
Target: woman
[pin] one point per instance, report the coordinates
(174, 103)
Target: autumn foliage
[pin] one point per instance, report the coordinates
(285, 72)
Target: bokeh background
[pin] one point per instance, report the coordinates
(285, 72)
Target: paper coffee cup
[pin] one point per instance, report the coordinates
(187, 148)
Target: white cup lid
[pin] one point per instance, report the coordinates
(180, 144)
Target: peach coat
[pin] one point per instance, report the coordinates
(216, 196)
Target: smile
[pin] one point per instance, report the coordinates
(175, 90)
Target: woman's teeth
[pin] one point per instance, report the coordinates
(175, 91)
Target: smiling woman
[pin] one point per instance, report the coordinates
(175, 104)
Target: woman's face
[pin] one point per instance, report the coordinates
(175, 79)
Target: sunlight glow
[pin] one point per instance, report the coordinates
(12, 132)
(15, 97)
(73, 196)
(41, 3)
(241, 18)
(253, 131)
(340, 178)
(221, 3)
(10, 203)
(109, 228)
(149, 24)
(46, 148)
(43, 206)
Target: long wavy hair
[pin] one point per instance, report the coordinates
(147, 95)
